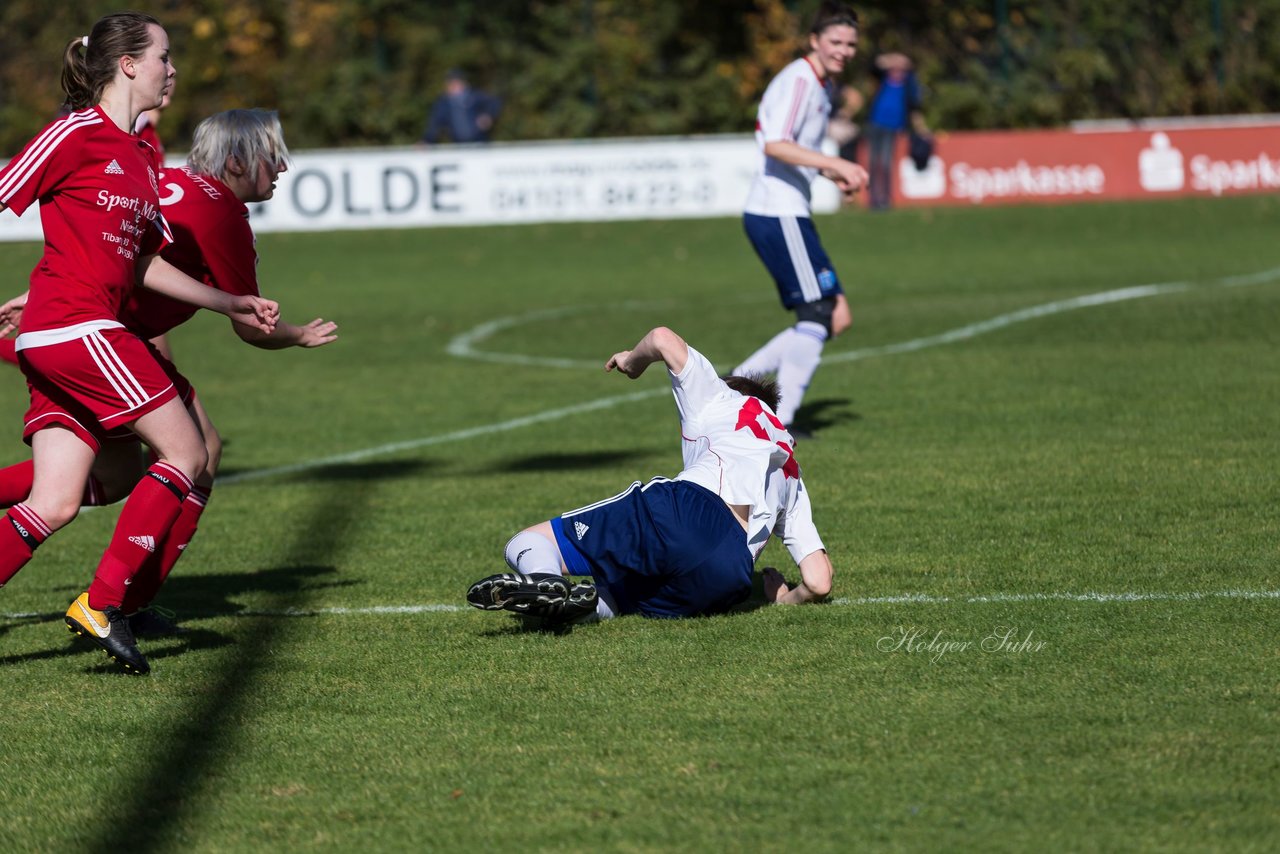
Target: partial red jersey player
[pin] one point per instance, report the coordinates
(145, 130)
(99, 200)
(236, 157)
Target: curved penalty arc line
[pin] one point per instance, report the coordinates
(466, 345)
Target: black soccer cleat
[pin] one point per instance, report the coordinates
(580, 603)
(523, 594)
(109, 629)
(154, 622)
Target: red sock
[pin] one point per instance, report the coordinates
(146, 584)
(16, 480)
(21, 531)
(148, 514)
(7, 351)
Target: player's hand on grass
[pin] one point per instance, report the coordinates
(775, 586)
(317, 333)
(11, 314)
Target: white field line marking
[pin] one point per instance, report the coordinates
(917, 599)
(999, 598)
(443, 438)
(463, 347)
(973, 330)
(910, 599)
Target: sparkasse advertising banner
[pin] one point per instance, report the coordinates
(1066, 166)
(709, 177)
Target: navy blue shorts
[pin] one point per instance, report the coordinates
(793, 254)
(666, 549)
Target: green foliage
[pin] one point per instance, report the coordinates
(356, 72)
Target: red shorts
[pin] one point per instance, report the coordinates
(186, 392)
(182, 386)
(93, 384)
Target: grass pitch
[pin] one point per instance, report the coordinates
(1050, 497)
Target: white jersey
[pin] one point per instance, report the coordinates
(736, 447)
(795, 108)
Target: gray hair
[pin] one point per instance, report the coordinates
(250, 136)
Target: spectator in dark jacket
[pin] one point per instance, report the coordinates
(463, 114)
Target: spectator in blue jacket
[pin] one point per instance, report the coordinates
(463, 114)
(895, 108)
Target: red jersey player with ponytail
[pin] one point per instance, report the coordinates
(144, 129)
(236, 157)
(99, 207)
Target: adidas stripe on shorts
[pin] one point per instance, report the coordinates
(668, 548)
(93, 384)
(793, 255)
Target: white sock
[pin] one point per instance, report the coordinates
(767, 359)
(532, 554)
(606, 608)
(800, 359)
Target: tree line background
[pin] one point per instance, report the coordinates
(364, 72)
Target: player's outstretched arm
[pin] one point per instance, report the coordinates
(815, 581)
(157, 274)
(659, 345)
(317, 333)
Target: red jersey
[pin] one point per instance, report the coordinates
(212, 243)
(100, 209)
(145, 129)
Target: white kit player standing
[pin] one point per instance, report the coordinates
(790, 126)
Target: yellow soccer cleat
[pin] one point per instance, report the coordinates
(109, 628)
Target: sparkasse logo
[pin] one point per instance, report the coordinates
(1219, 176)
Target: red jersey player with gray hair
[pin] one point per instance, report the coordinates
(100, 209)
(236, 157)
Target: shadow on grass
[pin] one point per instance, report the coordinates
(212, 595)
(159, 792)
(514, 624)
(193, 597)
(816, 415)
(194, 639)
(343, 472)
(157, 649)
